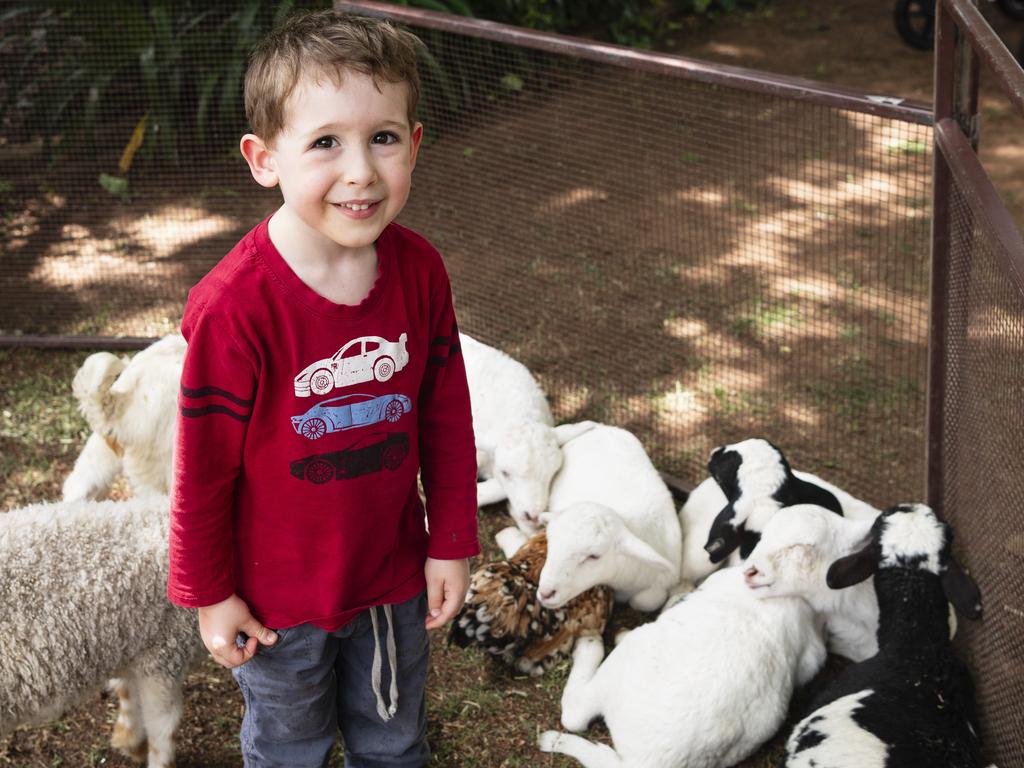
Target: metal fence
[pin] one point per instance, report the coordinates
(976, 410)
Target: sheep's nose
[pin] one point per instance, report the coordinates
(531, 517)
(749, 575)
(548, 594)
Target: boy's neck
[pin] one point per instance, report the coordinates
(339, 274)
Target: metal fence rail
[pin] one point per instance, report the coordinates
(976, 386)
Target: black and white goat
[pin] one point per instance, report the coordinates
(911, 705)
(757, 481)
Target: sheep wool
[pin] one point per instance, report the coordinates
(82, 599)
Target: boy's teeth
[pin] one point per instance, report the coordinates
(357, 206)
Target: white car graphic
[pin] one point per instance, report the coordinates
(363, 359)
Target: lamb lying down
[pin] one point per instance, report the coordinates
(83, 599)
(702, 687)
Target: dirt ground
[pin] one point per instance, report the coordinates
(730, 348)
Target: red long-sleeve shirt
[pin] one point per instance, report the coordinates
(301, 429)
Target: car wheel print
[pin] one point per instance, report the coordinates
(384, 369)
(314, 428)
(393, 411)
(321, 382)
(393, 457)
(319, 471)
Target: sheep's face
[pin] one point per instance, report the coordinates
(91, 388)
(147, 395)
(792, 556)
(750, 474)
(910, 537)
(525, 461)
(580, 553)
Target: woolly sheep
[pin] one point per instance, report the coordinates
(756, 482)
(131, 406)
(703, 686)
(84, 600)
(791, 559)
(911, 705)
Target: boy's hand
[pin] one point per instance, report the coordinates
(219, 625)
(447, 582)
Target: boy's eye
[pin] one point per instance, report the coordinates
(325, 142)
(384, 137)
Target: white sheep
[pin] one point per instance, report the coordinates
(83, 599)
(131, 406)
(518, 448)
(606, 470)
(792, 559)
(702, 687)
(591, 544)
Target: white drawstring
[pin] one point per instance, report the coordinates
(385, 712)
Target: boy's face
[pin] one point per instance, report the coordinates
(345, 157)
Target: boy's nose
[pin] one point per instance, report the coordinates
(359, 170)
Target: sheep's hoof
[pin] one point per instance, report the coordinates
(548, 741)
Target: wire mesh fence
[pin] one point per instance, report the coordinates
(697, 262)
(984, 467)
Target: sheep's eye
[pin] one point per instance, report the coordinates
(504, 475)
(593, 557)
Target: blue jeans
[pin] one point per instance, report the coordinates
(299, 691)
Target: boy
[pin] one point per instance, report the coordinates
(323, 371)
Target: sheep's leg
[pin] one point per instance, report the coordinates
(95, 469)
(510, 540)
(579, 704)
(129, 736)
(650, 599)
(489, 492)
(589, 753)
(160, 699)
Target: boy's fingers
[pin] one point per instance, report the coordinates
(259, 633)
(447, 610)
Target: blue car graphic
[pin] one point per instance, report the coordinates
(349, 412)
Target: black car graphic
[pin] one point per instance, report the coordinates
(372, 453)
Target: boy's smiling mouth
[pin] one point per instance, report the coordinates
(357, 207)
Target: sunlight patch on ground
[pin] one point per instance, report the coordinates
(168, 230)
(575, 197)
(742, 53)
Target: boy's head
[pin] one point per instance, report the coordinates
(331, 99)
(325, 44)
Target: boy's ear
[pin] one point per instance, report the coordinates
(415, 139)
(260, 160)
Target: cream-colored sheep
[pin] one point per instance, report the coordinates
(131, 406)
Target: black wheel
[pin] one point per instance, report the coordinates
(319, 471)
(915, 21)
(393, 457)
(1012, 8)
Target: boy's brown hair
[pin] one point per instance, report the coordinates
(325, 43)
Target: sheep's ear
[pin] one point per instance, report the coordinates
(566, 432)
(634, 547)
(852, 569)
(724, 536)
(962, 591)
(127, 380)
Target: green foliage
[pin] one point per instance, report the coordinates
(82, 70)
